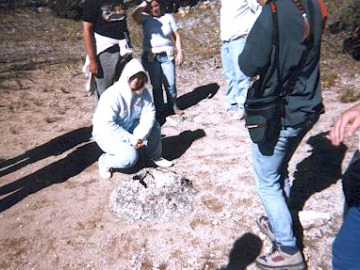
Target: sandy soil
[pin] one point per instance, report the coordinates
(54, 208)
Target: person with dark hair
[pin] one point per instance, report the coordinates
(107, 41)
(346, 247)
(124, 121)
(283, 49)
(160, 34)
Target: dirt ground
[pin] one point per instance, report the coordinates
(54, 208)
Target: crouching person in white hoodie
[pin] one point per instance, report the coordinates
(124, 121)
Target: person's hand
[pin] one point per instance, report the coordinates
(262, 2)
(350, 117)
(179, 58)
(93, 68)
(139, 144)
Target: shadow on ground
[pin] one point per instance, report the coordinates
(314, 174)
(199, 93)
(175, 146)
(57, 172)
(54, 147)
(244, 252)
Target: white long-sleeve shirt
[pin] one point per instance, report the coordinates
(237, 17)
(119, 108)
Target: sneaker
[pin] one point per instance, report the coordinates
(163, 163)
(281, 261)
(239, 115)
(104, 171)
(265, 227)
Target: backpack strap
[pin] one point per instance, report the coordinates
(324, 11)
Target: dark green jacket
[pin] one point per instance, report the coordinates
(258, 58)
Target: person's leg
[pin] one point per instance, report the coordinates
(154, 146)
(169, 80)
(154, 69)
(107, 66)
(228, 74)
(118, 155)
(241, 82)
(270, 172)
(346, 247)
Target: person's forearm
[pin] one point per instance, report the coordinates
(138, 10)
(89, 41)
(177, 38)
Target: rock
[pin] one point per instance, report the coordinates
(153, 195)
(311, 219)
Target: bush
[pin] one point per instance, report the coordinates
(347, 16)
(69, 9)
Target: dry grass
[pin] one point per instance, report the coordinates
(350, 95)
(329, 79)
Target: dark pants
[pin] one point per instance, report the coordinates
(346, 247)
(110, 66)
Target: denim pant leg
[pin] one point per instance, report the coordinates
(107, 70)
(155, 74)
(270, 171)
(237, 83)
(346, 247)
(169, 80)
(118, 155)
(154, 146)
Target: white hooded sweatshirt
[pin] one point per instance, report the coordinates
(119, 107)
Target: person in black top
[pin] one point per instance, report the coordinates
(107, 40)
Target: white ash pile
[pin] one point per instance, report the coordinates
(152, 195)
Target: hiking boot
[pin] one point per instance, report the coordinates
(280, 260)
(104, 172)
(265, 227)
(163, 163)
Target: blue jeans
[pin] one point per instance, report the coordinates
(162, 71)
(237, 83)
(270, 168)
(346, 247)
(122, 155)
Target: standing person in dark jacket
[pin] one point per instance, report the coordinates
(106, 40)
(346, 247)
(301, 111)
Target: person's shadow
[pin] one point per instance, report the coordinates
(54, 147)
(314, 174)
(244, 252)
(190, 99)
(199, 93)
(175, 146)
(57, 172)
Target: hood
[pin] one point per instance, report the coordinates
(132, 67)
